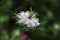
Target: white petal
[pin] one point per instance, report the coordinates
(27, 14)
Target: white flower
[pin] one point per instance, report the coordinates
(28, 19)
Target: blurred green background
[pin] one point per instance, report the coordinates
(49, 16)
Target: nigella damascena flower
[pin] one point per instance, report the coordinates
(28, 18)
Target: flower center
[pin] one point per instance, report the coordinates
(31, 14)
(30, 17)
